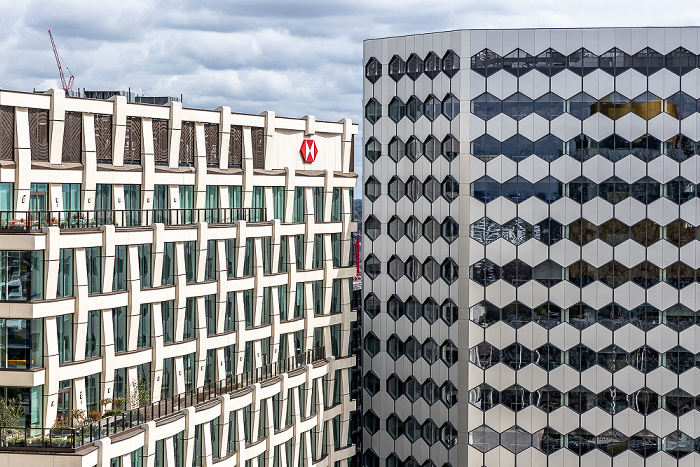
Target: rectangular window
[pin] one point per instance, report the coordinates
(247, 424)
(168, 313)
(198, 451)
(211, 203)
(214, 428)
(93, 258)
(132, 205)
(248, 307)
(65, 273)
(168, 276)
(120, 383)
(188, 364)
(267, 254)
(144, 338)
(230, 257)
(283, 260)
(335, 340)
(230, 318)
(190, 261)
(258, 204)
(145, 264)
(210, 267)
(94, 334)
(210, 313)
(299, 248)
(298, 208)
(38, 197)
(248, 356)
(159, 458)
(6, 201)
(249, 259)
(232, 444)
(160, 203)
(103, 199)
(336, 205)
(186, 203)
(299, 342)
(317, 260)
(167, 387)
(190, 314)
(235, 202)
(179, 442)
(265, 351)
(119, 318)
(21, 275)
(71, 199)
(21, 343)
(229, 358)
(210, 368)
(283, 350)
(266, 305)
(278, 202)
(119, 282)
(64, 324)
(92, 392)
(318, 203)
(299, 303)
(317, 294)
(143, 379)
(336, 249)
(335, 296)
(282, 297)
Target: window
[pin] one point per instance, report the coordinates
(21, 343)
(282, 298)
(258, 204)
(168, 275)
(397, 109)
(298, 210)
(373, 71)
(188, 364)
(299, 301)
(335, 249)
(266, 305)
(211, 204)
(336, 205)
(249, 258)
(248, 308)
(119, 317)
(373, 111)
(432, 107)
(317, 260)
(267, 254)
(283, 259)
(145, 264)
(65, 273)
(93, 257)
(132, 204)
(71, 199)
(144, 337)
(210, 266)
(92, 392)
(168, 314)
(94, 333)
(186, 203)
(450, 107)
(278, 198)
(190, 261)
(299, 247)
(373, 150)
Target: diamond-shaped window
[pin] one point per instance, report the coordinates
(414, 188)
(645, 274)
(581, 147)
(486, 63)
(645, 443)
(613, 274)
(679, 275)
(680, 61)
(551, 440)
(371, 344)
(582, 105)
(371, 383)
(612, 358)
(431, 352)
(516, 273)
(431, 310)
(413, 228)
(483, 438)
(431, 148)
(645, 316)
(515, 397)
(549, 148)
(396, 188)
(449, 312)
(678, 360)
(485, 272)
(485, 148)
(548, 314)
(450, 106)
(581, 315)
(394, 426)
(516, 231)
(582, 231)
(517, 189)
(677, 444)
(372, 266)
(395, 267)
(431, 433)
(394, 386)
(644, 401)
(414, 108)
(581, 274)
(449, 353)
(613, 190)
(516, 356)
(372, 305)
(413, 148)
(412, 429)
(679, 402)
(396, 228)
(448, 394)
(397, 109)
(395, 307)
(516, 439)
(548, 357)
(484, 397)
(517, 315)
(646, 190)
(644, 359)
(646, 232)
(550, 106)
(414, 309)
(517, 147)
(450, 188)
(550, 62)
(394, 347)
(548, 231)
(413, 352)
(450, 148)
(614, 105)
(432, 107)
(612, 315)
(449, 271)
(549, 189)
(615, 442)
(431, 269)
(646, 148)
(413, 269)
(679, 190)
(485, 231)
(679, 317)
(450, 63)
(372, 227)
(371, 422)
(648, 61)
(614, 148)
(432, 65)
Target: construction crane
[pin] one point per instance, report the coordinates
(66, 86)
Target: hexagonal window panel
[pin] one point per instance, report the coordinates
(450, 148)
(394, 426)
(371, 383)
(517, 189)
(395, 307)
(679, 233)
(647, 105)
(547, 231)
(548, 314)
(678, 402)
(644, 401)
(412, 389)
(372, 305)
(646, 148)
(450, 189)
(679, 275)
(646, 190)
(450, 106)
(484, 355)
(581, 274)
(518, 62)
(484, 438)
(680, 105)
(414, 228)
(431, 148)
(397, 149)
(647, 61)
(412, 429)
(615, 442)
(394, 347)
(580, 441)
(517, 148)
(580, 357)
(431, 188)
(644, 359)
(449, 353)
(448, 394)
(613, 274)
(397, 68)
(397, 109)
(581, 190)
(486, 106)
(370, 459)
(373, 189)
(581, 399)
(680, 61)
(431, 391)
(414, 108)
(432, 107)
(485, 231)
(485, 314)
(612, 400)
(582, 232)
(373, 70)
(449, 271)
(646, 232)
(484, 397)
(486, 63)
(679, 317)
(431, 310)
(548, 357)
(372, 227)
(450, 230)
(431, 351)
(516, 231)
(450, 63)
(396, 188)
(373, 150)
(373, 111)
(645, 317)
(414, 66)
(549, 189)
(518, 106)
(432, 65)
(613, 316)
(485, 189)
(516, 439)
(612, 358)
(414, 188)
(645, 274)
(395, 267)
(394, 386)
(371, 344)
(614, 105)
(515, 397)
(550, 62)
(581, 316)
(550, 106)
(517, 315)
(516, 356)
(677, 444)
(581, 105)
(614, 232)
(550, 441)
(678, 360)
(413, 269)
(413, 148)
(372, 266)
(679, 148)
(431, 433)
(448, 312)
(679, 190)
(582, 62)
(614, 148)
(547, 399)
(396, 228)
(413, 349)
(614, 190)
(414, 309)
(645, 443)
(548, 273)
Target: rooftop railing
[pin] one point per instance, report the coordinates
(36, 220)
(68, 439)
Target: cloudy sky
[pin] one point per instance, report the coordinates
(293, 57)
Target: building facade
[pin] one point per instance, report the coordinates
(175, 285)
(531, 248)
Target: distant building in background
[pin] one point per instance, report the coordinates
(131, 97)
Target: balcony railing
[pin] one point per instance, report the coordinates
(36, 220)
(68, 439)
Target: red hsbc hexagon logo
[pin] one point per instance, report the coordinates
(308, 150)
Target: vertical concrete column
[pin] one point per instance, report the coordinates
(118, 130)
(57, 115)
(346, 144)
(108, 259)
(247, 168)
(157, 251)
(107, 349)
(200, 165)
(156, 350)
(80, 316)
(89, 162)
(133, 281)
(52, 370)
(221, 278)
(289, 187)
(202, 344)
(327, 194)
(180, 280)
(147, 163)
(174, 130)
(23, 160)
(224, 135)
(270, 140)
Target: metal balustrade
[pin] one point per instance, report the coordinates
(36, 220)
(68, 439)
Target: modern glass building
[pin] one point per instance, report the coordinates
(532, 248)
(175, 285)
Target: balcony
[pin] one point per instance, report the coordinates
(67, 439)
(24, 221)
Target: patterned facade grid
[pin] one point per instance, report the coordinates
(156, 310)
(579, 259)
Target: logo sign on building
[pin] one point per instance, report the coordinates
(308, 150)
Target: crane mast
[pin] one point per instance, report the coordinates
(66, 86)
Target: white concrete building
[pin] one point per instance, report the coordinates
(531, 248)
(188, 261)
